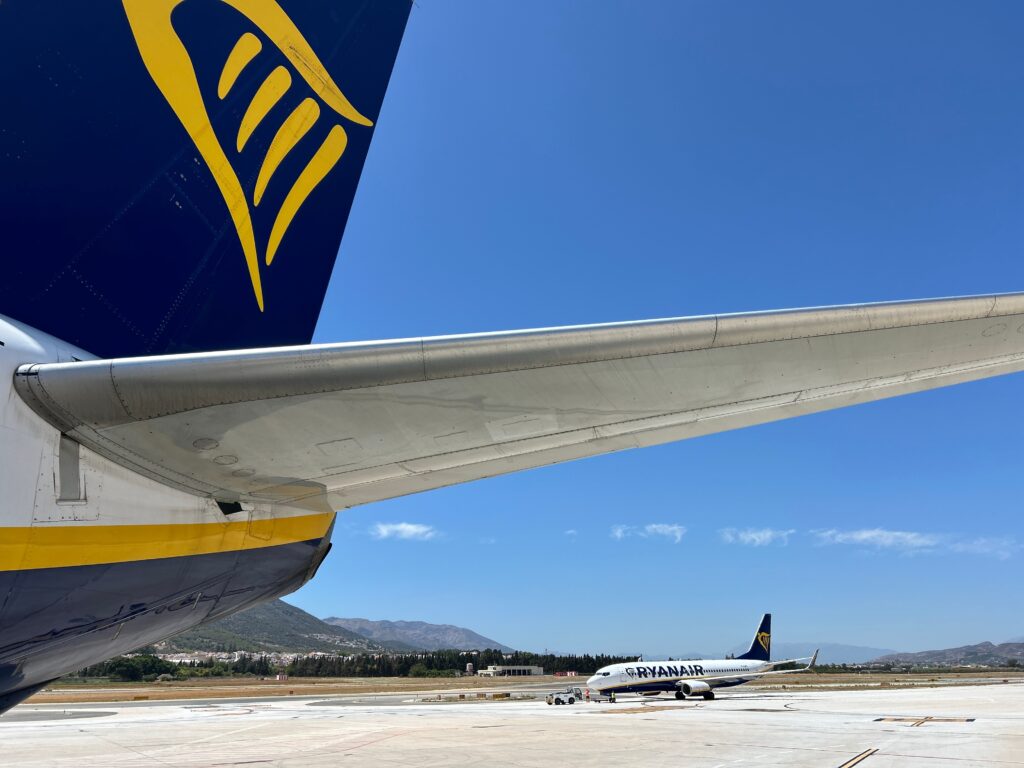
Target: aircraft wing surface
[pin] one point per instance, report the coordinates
(741, 676)
(811, 661)
(347, 424)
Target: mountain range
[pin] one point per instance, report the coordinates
(829, 653)
(271, 627)
(980, 653)
(278, 627)
(418, 634)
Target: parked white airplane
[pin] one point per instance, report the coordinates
(175, 176)
(695, 677)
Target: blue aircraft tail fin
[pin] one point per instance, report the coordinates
(761, 645)
(176, 175)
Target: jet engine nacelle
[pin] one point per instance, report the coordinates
(694, 687)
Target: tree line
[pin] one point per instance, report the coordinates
(147, 667)
(443, 663)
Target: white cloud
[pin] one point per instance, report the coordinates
(1001, 547)
(756, 537)
(619, 532)
(672, 531)
(403, 531)
(669, 530)
(880, 538)
(570, 532)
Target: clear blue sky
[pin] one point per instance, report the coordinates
(550, 163)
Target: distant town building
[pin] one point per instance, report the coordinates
(500, 670)
(470, 669)
(567, 674)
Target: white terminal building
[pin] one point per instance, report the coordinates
(498, 670)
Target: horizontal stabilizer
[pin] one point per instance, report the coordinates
(359, 422)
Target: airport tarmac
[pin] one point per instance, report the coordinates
(960, 727)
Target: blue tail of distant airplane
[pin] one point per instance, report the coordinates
(178, 173)
(761, 645)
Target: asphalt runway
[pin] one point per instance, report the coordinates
(941, 727)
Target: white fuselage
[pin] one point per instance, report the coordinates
(37, 494)
(655, 676)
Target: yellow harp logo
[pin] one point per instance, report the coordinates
(765, 639)
(170, 66)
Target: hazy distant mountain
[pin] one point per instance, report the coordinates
(831, 653)
(274, 626)
(418, 634)
(982, 653)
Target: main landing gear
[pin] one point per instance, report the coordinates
(680, 695)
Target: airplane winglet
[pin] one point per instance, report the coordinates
(814, 659)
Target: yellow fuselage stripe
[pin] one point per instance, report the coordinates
(61, 546)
